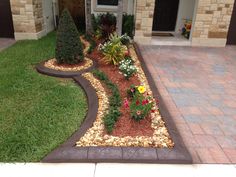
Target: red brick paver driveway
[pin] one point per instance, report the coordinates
(199, 87)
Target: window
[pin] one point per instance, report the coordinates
(107, 2)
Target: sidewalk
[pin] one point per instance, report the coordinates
(115, 170)
(198, 85)
(5, 42)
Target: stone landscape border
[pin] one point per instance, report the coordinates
(63, 74)
(68, 152)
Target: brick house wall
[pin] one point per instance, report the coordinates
(210, 27)
(27, 18)
(144, 19)
(212, 22)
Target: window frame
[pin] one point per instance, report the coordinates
(108, 5)
(104, 8)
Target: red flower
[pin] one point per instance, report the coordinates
(144, 102)
(157, 101)
(126, 103)
(153, 111)
(137, 102)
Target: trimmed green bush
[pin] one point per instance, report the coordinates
(92, 43)
(128, 25)
(69, 49)
(114, 101)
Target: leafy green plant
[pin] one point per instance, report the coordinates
(107, 24)
(131, 91)
(111, 118)
(115, 38)
(127, 67)
(69, 49)
(114, 101)
(104, 24)
(125, 39)
(128, 25)
(94, 21)
(113, 50)
(92, 43)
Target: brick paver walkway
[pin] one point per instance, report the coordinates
(5, 42)
(199, 87)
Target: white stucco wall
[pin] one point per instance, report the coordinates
(186, 11)
(49, 10)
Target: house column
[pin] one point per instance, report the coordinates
(212, 22)
(144, 20)
(27, 19)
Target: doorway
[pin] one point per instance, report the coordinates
(231, 39)
(76, 9)
(165, 15)
(6, 23)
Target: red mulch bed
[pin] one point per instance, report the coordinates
(125, 126)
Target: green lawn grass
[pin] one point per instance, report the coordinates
(37, 112)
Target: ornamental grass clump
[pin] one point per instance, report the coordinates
(69, 49)
(114, 49)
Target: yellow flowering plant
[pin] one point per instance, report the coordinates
(141, 104)
(141, 89)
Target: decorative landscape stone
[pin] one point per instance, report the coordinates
(52, 64)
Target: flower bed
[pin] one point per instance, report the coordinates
(139, 123)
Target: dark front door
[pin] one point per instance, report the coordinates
(6, 24)
(165, 15)
(232, 28)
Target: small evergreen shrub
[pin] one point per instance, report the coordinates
(95, 22)
(92, 43)
(128, 25)
(69, 49)
(114, 101)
